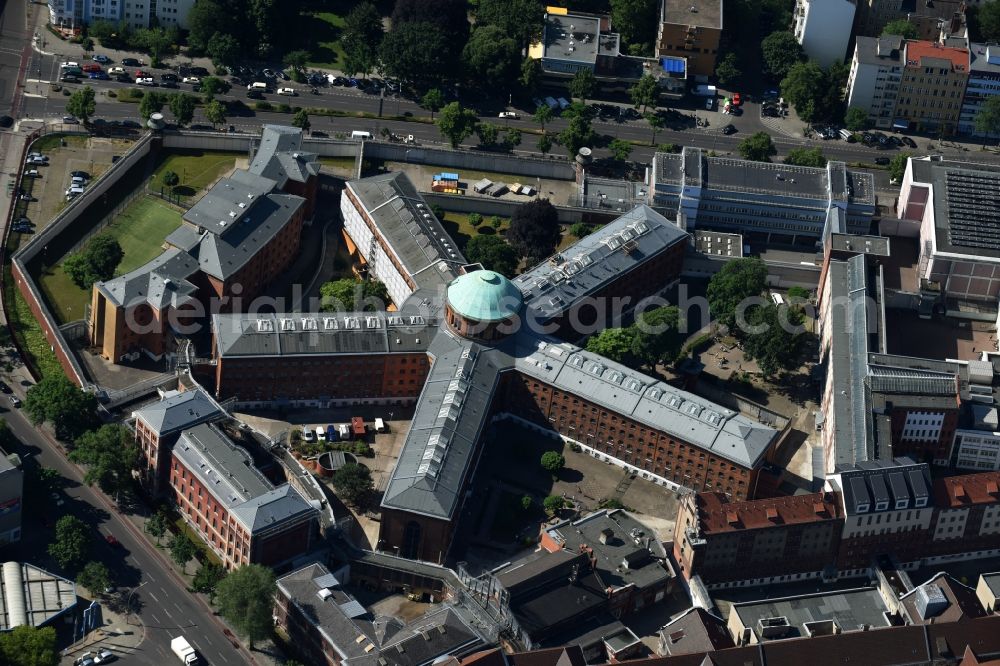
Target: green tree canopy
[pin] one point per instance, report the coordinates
(298, 59)
(432, 100)
(534, 230)
(737, 281)
(581, 229)
(246, 600)
(348, 295)
(457, 123)
(987, 120)
(856, 119)
(223, 49)
(543, 115)
(110, 455)
(804, 87)
(728, 69)
(552, 462)
(620, 149)
(757, 147)
(152, 102)
(988, 20)
(656, 335)
(544, 143)
(63, 404)
(493, 252)
(29, 646)
(645, 93)
(157, 525)
(775, 338)
(212, 86)
(615, 344)
(488, 134)
(900, 28)
(215, 113)
(781, 51)
(97, 261)
(531, 74)
(655, 121)
(72, 542)
(95, 577)
(897, 166)
(810, 157)
(207, 578)
(301, 120)
(577, 134)
(553, 503)
(492, 59)
(182, 549)
(583, 85)
(418, 54)
(361, 39)
(353, 482)
(637, 22)
(182, 106)
(519, 19)
(82, 104)
(511, 138)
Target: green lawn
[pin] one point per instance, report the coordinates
(52, 141)
(339, 163)
(324, 30)
(140, 230)
(458, 227)
(196, 169)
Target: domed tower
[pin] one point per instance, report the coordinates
(483, 305)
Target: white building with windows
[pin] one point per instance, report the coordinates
(978, 448)
(984, 82)
(823, 28)
(873, 82)
(136, 13)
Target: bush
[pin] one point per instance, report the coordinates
(552, 462)
(553, 503)
(475, 219)
(111, 93)
(527, 502)
(581, 229)
(221, 71)
(263, 106)
(284, 108)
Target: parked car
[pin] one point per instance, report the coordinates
(100, 76)
(198, 71)
(6, 121)
(255, 94)
(168, 84)
(16, 402)
(83, 658)
(23, 221)
(131, 62)
(283, 76)
(104, 657)
(909, 142)
(191, 79)
(116, 70)
(80, 174)
(169, 76)
(5, 388)
(737, 100)
(729, 129)
(145, 81)
(112, 540)
(508, 114)
(103, 59)
(69, 78)
(882, 161)
(289, 92)
(268, 73)
(91, 67)
(38, 158)
(32, 173)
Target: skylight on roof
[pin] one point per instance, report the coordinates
(352, 323)
(309, 324)
(265, 326)
(330, 323)
(287, 324)
(613, 242)
(373, 322)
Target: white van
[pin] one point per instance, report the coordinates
(345, 431)
(257, 85)
(308, 434)
(361, 134)
(69, 64)
(380, 426)
(320, 434)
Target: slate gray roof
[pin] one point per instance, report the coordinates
(227, 471)
(279, 156)
(413, 234)
(696, 630)
(161, 282)
(359, 639)
(220, 209)
(623, 245)
(177, 411)
(880, 51)
(900, 481)
(849, 609)
(293, 334)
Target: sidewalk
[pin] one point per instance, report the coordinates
(116, 634)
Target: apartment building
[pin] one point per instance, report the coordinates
(823, 28)
(931, 87)
(759, 541)
(873, 83)
(239, 514)
(967, 523)
(135, 13)
(158, 426)
(931, 19)
(11, 494)
(691, 29)
(977, 446)
(984, 82)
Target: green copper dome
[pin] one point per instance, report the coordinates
(484, 296)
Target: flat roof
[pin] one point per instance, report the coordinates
(849, 609)
(704, 13)
(984, 59)
(880, 51)
(571, 37)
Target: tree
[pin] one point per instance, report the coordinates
(63, 404)
(432, 100)
(492, 59)
(987, 120)
(212, 86)
(531, 74)
(348, 295)
(298, 59)
(182, 549)
(803, 87)
(417, 53)
(301, 120)
(110, 455)
(493, 252)
(552, 462)
(728, 70)
(361, 39)
(527, 502)
(353, 483)
(223, 49)
(780, 51)
(29, 646)
(246, 600)
(655, 121)
(82, 104)
(988, 18)
(487, 133)
(544, 143)
(583, 85)
(95, 577)
(170, 179)
(737, 281)
(511, 138)
(897, 166)
(553, 503)
(72, 542)
(543, 114)
(534, 229)
(757, 147)
(152, 102)
(614, 344)
(457, 123)
(620, 149)
(215, 113)
(519, 19)
(577, 134)
(157, 525)
(636, 20)
(581, 229)
(451, 16)
(900, 28)
(97, 261)
(645, 93)
(856, 119)
(656, 335)
(207, 578)
(810, 157)
(205, 19)
(776, 338)
(182, 106)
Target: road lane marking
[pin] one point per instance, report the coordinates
(153, 596)
(168, 614)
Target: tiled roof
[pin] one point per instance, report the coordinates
(918, 52)
(967, 489)
(717, 514)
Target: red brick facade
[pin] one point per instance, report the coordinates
(414, 536)
(929, 451)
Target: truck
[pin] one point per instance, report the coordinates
(183, 649)
(706, 91)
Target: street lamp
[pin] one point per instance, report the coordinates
(128, 602)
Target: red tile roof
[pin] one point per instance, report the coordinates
(917, 50)
(718, 514)
(967, 489)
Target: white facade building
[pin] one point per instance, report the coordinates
(873, 82)
(978, 448)
(984, 82)
(136, 13)
(823, 28)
